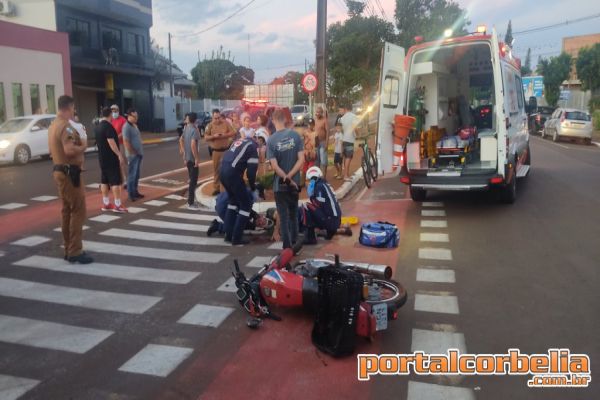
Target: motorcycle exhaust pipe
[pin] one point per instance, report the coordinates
(378, 270)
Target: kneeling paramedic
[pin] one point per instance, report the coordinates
(322, 211)
(256, 221)
(241, 157)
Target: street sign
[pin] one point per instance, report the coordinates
(309, 82)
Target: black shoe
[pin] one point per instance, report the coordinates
(139, 196)
(216, 193)
(81, 259)
(214, 227)
(240, 242)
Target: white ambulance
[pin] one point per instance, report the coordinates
(470, 133)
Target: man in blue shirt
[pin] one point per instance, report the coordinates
(242, 157)
(285, 151)
(134, 149)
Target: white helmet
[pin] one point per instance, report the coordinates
(314, 172)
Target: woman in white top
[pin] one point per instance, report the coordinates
(246, 132)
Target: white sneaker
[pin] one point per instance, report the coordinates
(194, 206)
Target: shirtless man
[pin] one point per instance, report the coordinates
(322, 135)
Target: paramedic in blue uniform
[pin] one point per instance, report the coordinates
(241, 157)
(322, 211)
(221, 203)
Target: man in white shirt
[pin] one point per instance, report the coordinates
(349, 123)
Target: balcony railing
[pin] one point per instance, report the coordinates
(110, 59)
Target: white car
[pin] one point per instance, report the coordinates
(300, 114)
(23, 138)
(569, 122)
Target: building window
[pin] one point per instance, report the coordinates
(79, 32)
(111, 39)
(50, 99)
(17, 94)
(136, 44)
(2, 104)
(34, 94)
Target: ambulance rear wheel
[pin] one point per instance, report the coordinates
(418, 194)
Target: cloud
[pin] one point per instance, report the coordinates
(229, 29)
(269, 38)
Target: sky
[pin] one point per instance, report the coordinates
(275, 36)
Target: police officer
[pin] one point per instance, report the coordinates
(322, 211)
(241, 157)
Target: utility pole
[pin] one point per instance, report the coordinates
(321, 56)
(170, 69)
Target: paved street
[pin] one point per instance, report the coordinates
(154, 317)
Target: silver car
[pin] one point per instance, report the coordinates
(569, 122)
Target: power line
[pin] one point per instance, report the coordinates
(218, 23)
(383, 13)
(567, 22)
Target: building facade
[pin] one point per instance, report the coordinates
(108, 43)
(35, 70)
(110, 54)
(572, 94)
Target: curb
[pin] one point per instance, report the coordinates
(145, 141)
(596, 143)
(262, 206)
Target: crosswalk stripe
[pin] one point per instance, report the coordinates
(426, 223)
(432, 391)
(49, 335)
(94, 299)
(435, 254)
(436, 303)
(432, 204)
(59, 229)
(157, 360)
(206, 315)
(104, 218)
(135, 210)
(175, 197)
(259, 261)
(191, 217)
(436, 275)
(433, 213)
(153, 223)
(12, 206)
(31, 241)
(149, 252)
(276, 246)
(156, 203)
(437, 342)
(13, 387)
(228, 286)
(435, 237)
(164, 237)
(44, 198)
(110, 270)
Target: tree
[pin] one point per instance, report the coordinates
(526, 66)
(508, 38)
(555, 71)
(588, 67)
(355, 8)
(354, 56)
(295, 78)
(428, 18)
(219, 78)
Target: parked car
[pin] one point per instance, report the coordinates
(203, 119)
(300, 114)
(23, 138)
(569, 122)
(538, 118)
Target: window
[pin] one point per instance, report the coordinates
(136, 44)
(391, 95)
(520, 95)
(2, 104)
(34, 94)
(79, 32)
(17, 95)
(43, 124)
(50, 99)
(111, 38)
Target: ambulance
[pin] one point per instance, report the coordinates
(462, 99)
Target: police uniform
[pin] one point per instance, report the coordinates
(241, 157)
(322, 211)
(66, 175)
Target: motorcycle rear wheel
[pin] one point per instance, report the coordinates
(393, 294)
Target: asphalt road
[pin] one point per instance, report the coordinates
(495, 277)
(20, 183)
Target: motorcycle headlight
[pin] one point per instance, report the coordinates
(4, 144)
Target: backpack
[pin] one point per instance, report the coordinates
(379, 234)
(338, 305)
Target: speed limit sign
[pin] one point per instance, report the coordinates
(309, 82)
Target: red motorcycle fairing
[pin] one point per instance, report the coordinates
(282, 288)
